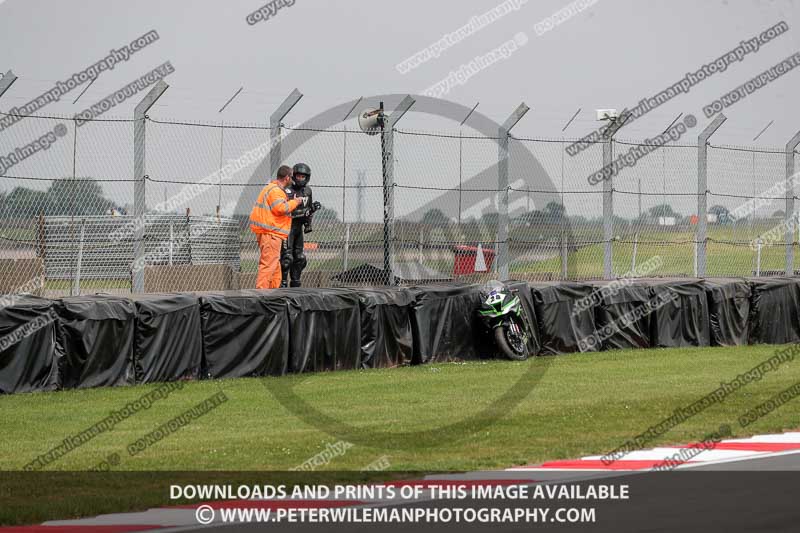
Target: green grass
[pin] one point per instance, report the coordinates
(723, 259)
(604, 397)
(570, 406)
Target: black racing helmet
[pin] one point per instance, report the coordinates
(304, 170)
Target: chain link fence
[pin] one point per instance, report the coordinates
(67, 209)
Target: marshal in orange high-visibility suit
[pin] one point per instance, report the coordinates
(271, 221)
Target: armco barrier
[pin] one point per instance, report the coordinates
(105, 340)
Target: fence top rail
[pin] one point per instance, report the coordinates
(757, 150)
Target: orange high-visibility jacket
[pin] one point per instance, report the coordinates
(271, 214)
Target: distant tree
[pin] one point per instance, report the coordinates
(779, 214)
(530, 218)
(434, 217)
(554, 211)
(67, 196)
(723, 215)
(80, 196)
(23, 203)
(663, 210)
(326, 214)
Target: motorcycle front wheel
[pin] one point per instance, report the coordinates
(510, 343)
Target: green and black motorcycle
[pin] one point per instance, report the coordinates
(501, 311)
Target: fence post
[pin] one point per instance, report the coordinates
(76, 280)
(139, 192)
(275, 130)
(189, 234)
(171, 240)
(387, 145)
(502, 188)
(421, 245)
(789, 212)
(346, 247)
(608, 196)
(702, 191)
(758, 258)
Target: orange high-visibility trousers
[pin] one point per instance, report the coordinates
(269, 267)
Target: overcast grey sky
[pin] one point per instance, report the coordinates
(610, 55)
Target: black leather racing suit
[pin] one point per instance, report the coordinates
(293, 259)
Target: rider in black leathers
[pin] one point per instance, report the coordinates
(293, 260)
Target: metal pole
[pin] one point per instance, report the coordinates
(346, 247)
(460, 146)
(74, 152)
(275, 123)
(502, 188)
(344, 180)
(789, 212)
(139, 170)
(608, 197)
(387, 158)
(702, 191)
(758, 259)
(344, 173)
(639, 198)
(221, 149)
(6, 82)
(360, 195)
(635, 249)
(76, 281)
(171, 240)
(564, 249)
(388, 273)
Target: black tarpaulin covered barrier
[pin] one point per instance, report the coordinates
(619, 314)
(168, 344)
(560, 329)
(775, 310)
(245, 333)
(728, 310)
(526, 298)
(97, 333)
(446, 325)
(325, 327)
(386, 339)
(680, 315)
(29, 352)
